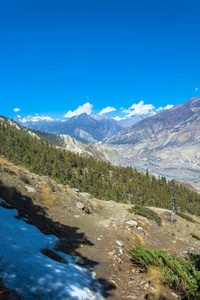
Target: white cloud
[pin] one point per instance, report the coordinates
(85, 108)
(196, 89)
(118, 118)
(159, 108)
(138, 109)
(121, 108)
(16, 109)
(168, 106)
(107, 110)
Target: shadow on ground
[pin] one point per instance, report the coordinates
(70, 238)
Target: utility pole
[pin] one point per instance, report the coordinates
(174, 205)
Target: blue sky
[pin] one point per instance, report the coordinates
(59, 55)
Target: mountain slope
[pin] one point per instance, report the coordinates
(167, 143)
(94, 236)
(83, 127)
(99, 178)
(172, 123)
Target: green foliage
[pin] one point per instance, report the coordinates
(186, 217)
(178, 273)
(195, 236)
(99, 178)
(195, 259)
(53, 138)
(146, 212)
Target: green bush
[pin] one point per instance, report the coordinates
(178, 273)
(196, 236)
(195, 259)
(186, 217)
(146, 212)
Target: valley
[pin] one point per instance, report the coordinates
(173, 164)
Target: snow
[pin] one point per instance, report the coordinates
(24, 268)
(34, 119)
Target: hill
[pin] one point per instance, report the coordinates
(166, 143)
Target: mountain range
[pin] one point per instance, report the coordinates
(166, 143)
(84, 127)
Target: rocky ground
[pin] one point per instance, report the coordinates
(100, 232)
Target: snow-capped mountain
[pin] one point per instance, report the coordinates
(31, 119)
(83, 127)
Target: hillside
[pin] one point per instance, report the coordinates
(167, 143)
(100, 178)
(99, 232)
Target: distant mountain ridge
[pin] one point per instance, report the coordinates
(83, 127)
(180, 118)
(167, 143)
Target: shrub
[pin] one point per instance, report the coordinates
(178, 273)
(186, 217)
(146, 212)
(196, 236)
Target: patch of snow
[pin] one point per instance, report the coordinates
(35, 276)
(34, 119)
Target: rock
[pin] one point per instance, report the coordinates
(30, 189)
(79, 260)
(80, 205)
(121, 252)
(120, 243)
(173, 294)
(87, 195)
(146, 286)
(76, 190)
(140, 228)
(132, 223)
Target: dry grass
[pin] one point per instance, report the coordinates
(139, 240)
(142, 224)
(155, 279)
(47, 196)
(7, 167)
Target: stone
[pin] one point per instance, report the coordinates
(173, 294)
(140, 228)
(132, 223)
(80, 205)
(30, 189)
(120, 243)
(79, 260)
(121, 251)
